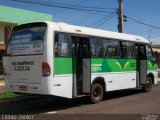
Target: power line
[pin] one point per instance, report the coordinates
(97, 20)
(143, 23)
(136, 16)
(106, 20)
(77, 3)
(82, 6)
(64, 6)
(93, 10)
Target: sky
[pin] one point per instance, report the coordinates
(105, 17)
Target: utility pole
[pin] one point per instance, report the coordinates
(120, 16)
(149, 37)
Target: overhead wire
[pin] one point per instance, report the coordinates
(64, 6)
(82, 6)
(97, 20)
(143, 23)
(106, 20)
(93, 10)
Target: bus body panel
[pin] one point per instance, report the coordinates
(23, 69)
(117, 73)
(48, 86)
(117, 81)
(62, 86)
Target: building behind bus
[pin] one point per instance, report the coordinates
(11, 17)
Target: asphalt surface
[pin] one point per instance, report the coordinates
(123, 103)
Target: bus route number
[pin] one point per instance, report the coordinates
(22, 68)
(95, 69)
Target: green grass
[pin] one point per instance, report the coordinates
(10, 95)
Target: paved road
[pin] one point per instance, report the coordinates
(132, 101)
(122, 102)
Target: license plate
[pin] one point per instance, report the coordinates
(23, 88)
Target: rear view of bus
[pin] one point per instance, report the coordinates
(24, 61)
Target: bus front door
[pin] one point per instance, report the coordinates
(142, 65)
(86, 64)
(81, 65)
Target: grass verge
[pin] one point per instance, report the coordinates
(10, 95)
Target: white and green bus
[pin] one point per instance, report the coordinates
(70, 61)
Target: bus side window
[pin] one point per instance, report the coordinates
(61, 45)
(99, 48)
(112, 48)
(149, 53)
(92, 47)
(127, 49)
(106, 44)
(136, 51)
(115, 49)
(74, 47)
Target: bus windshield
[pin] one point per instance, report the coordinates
(26, 40)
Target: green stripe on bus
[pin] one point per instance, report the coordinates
(64, 65)
(112, 65)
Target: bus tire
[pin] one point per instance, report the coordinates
(96, 93)
(148, 86)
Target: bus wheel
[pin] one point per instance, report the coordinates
(96, 93)
(148, 86)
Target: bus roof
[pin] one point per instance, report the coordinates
(64, 27)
